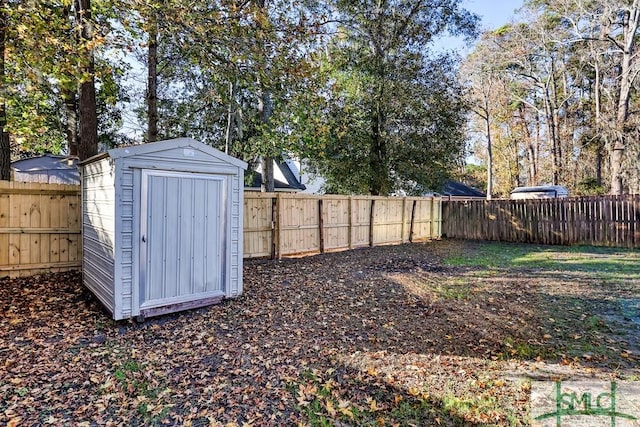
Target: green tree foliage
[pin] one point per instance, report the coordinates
(38, 51)
(395, 114)
(45, 68)
(350, 85)
(474, 176)
(232, 74)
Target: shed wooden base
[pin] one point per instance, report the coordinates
(166, 309)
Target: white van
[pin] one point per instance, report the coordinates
(539, 192)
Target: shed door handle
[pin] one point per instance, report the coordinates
(144, 240)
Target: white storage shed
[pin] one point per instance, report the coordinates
(539, 192)
(162, 227)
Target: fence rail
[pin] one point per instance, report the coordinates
(597, 221)
(39, 228)
(40, 225)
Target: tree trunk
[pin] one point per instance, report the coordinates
(5, 157)
(266, 109)
(617, 156)
(489, 153)
(88, 145)
(5, 146)
(152, 80)
(598, 120)
(538, 143)
(377, 154)
(559, 166)
(553, 136)
(71, 112)
(378, 147)
(230, 117)
(631, 20)
(531, 147)
(268, 182)
(551, 93)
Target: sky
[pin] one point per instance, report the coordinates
(494, 14)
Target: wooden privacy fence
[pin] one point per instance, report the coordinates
(40, 225)
(597, 221)
(39, 228)
(286, 224)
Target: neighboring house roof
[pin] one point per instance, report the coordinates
(48, 168)
(284, 178)
(455, 188)
(313, 182)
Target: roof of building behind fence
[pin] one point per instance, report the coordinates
(455, 188)
(47, 168)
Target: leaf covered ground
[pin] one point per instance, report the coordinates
(443, 333)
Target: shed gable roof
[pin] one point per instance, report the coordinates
(172, 144)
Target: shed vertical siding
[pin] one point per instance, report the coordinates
(235, 249)
(197, 162)
(125, 214)
(98, 231)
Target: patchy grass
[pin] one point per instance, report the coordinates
(591, 316)
(608, 264)
(444, 333)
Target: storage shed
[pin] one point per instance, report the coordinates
(539, 192)
(162, 227)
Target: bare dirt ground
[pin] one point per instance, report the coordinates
(380, 336)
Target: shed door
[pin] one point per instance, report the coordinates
(183, 239)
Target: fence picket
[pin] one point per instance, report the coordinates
(39, 228)
(348, 221)
(597, 221)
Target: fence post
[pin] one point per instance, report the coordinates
(371, 215)
(274, 227)
(413, 215)
(404, 219)
(432, 230)
(321, 225)
(636, 222)
(276, 231)
(443, 214)
(350, 238)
